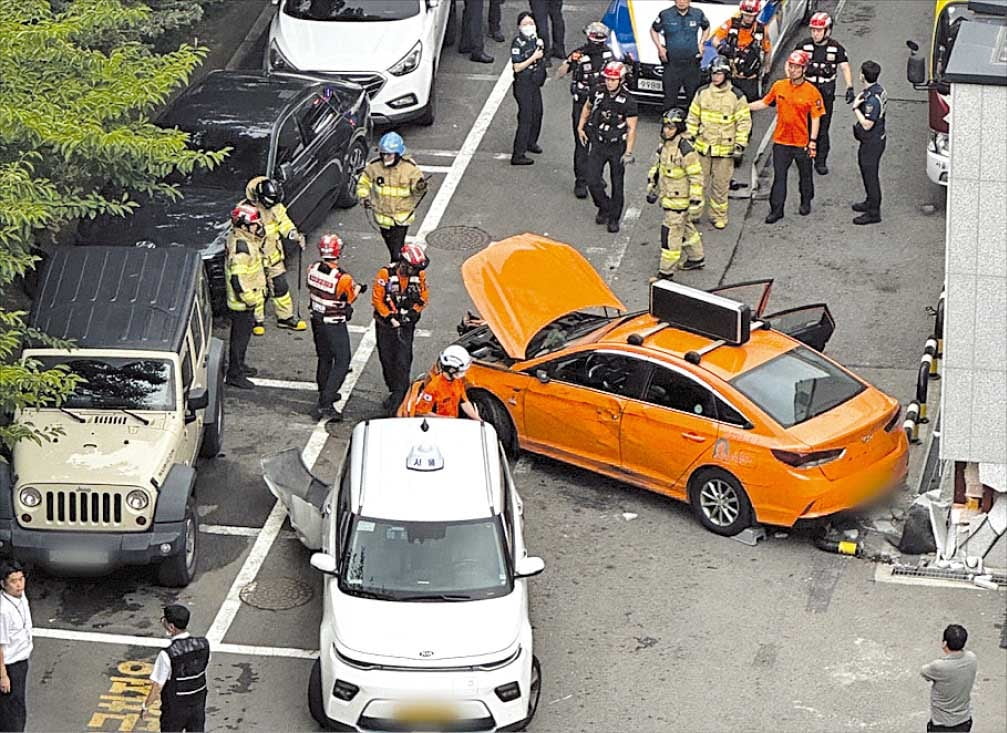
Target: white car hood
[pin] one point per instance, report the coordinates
(425, 633)
(330, 45)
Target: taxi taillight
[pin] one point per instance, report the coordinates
(893, 422)
(807, 460)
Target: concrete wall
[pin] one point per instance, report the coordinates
(974, 389)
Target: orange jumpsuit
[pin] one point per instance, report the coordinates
(440, 396)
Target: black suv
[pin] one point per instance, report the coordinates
(310, 133)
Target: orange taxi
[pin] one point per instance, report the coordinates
(747, 425)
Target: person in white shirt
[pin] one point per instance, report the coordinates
(15, 646)
(179, 676)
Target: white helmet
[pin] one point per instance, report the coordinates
(455, 361)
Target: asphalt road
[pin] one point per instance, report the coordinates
(643, 620)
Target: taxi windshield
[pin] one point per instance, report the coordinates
(797, 386)
(425, 561)
(566, 329)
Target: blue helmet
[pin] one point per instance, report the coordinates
(392, 142)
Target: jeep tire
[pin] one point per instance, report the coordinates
(178, 570)
(213, 433)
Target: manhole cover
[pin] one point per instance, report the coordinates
(458, 238)
(276, 594)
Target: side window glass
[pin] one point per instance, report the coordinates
(729, 415)
(288, 141)
(196, 329)
(676, 392)
(186, 367)
(343, 504)
(316, 116)
(606, 372)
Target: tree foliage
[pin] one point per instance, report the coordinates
(77, 91)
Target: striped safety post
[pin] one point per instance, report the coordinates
(939, 326)
(911, 424)
(931, 350)
(922, 384)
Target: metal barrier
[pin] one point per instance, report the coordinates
(929, 370)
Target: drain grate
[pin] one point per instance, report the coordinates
(458, 239)
(276, 594)
(909, 571)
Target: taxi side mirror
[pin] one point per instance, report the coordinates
(527, 567)
(542, 375)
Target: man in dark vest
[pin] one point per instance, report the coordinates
(179, 676)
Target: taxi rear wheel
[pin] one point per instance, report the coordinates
(496, 415)
(720, 502)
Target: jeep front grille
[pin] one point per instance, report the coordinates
(75, 508)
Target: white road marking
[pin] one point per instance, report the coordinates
(618, 251)
(472, 77)
(100, 637)
(433, 153)
(447, 188)
(284, 384)
(228, 530)
(357, 364)
(435, 168)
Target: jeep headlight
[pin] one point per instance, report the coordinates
(30, 497)
(137, 500)
(409, 62)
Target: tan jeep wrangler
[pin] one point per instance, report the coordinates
(118, 487)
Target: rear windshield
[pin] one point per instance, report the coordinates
(797, 386)
(350, 10)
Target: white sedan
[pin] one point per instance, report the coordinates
(389, 47)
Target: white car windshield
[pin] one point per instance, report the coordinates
(112, 383)
(425, 561)
(351, 10)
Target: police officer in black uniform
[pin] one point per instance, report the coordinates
(526, 54)
(869, 108)
(586, 63)
(827, 55)
(608, 125)
(179, 675)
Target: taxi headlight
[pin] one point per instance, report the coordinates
(137, 500)
(30, 497)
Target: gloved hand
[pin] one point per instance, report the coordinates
(628, 158)
(850, 95)
(652, 197)
(812, 149)
(362, 288)
(420, 186)
(739, 151)
(367, 203)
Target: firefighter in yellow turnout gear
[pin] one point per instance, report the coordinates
(246, 288)
(392, 186)
(676, 181)
(266, 195)
(719, 124)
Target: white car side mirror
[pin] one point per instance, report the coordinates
(525, 567)
(324, 562)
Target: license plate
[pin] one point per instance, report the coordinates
(425, 713)
(650, 85)
(78, 557)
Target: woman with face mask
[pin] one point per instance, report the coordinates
(526, 54)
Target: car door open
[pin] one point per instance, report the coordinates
(810, 324)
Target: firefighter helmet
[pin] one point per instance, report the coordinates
(391, 143)
(720, 65)
(330, 246)
(414, 256)
(454, 361)
(614, 70)
(674, 117)
(596, 32)
(749, 6)
(820, 20)
(798, 58)
(245, 216)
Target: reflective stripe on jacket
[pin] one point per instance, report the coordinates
(393, 191)
(330, 292)
(678, 175)
(718, 120)
(243, 272)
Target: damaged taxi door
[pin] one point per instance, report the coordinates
(306, 497)
(573, 407)
(671, 430)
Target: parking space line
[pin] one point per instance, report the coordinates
(100, 637)
(435, 168)
(284, 384)
(357, 364)
(228, 530)
(614, 259)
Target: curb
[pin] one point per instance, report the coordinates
(248, 43)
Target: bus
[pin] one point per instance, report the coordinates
(948, 17)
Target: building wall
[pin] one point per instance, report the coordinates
(974, 389)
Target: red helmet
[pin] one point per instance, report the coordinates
(245, 215)
(329, 246)
(750, 6)
(800, 58)
(820, 20)
(413, 254)
(614, 70)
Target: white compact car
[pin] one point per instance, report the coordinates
(389, 47)
(425, 623)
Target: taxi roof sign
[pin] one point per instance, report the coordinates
(424, 457)
(700, 312)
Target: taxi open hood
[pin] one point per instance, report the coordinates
(523, 283)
